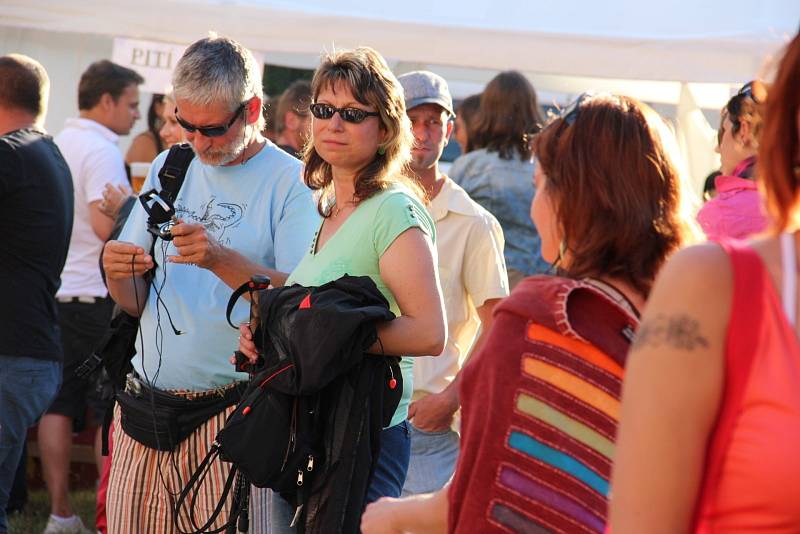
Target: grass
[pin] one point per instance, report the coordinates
(34, 518)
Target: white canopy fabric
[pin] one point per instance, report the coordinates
(683, 53)
(717, 41)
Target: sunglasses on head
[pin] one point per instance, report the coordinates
(354, 115)
(210, 131)
(570, 113)
(752, 90)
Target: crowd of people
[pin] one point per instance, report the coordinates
(579, 351)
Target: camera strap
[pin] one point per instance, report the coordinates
(159, 205)
(118, 343)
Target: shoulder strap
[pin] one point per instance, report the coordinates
(741, 343)
(789, 277)
(174, 170)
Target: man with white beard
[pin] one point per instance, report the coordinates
(242, 210)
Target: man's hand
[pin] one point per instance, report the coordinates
(122, 260)
(434, 413)
(195, 246)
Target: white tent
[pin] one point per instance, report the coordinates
(683, 51)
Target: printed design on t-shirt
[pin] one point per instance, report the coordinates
(561, 438)
(217, 217)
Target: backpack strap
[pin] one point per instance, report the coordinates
(741, 343)
(173, 172)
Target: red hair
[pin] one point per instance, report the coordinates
(615, 188)
(778, 158)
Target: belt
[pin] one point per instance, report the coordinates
(82, 299)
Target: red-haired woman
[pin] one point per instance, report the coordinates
(541, 399)
(711, 411)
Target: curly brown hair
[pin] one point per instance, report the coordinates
(372, 83)
(616, 189)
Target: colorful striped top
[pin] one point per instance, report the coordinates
(540, 406)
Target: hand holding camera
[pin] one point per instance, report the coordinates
(195, 245)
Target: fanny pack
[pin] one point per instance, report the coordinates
(160, 420)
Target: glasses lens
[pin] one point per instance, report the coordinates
(354, 115)
(322, 111)
(214, 131)
(185, 125)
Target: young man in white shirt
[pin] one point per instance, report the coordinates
(108, 101)
(473, 277)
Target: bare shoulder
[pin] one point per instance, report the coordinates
(690, 301)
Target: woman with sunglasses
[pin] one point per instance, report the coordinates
(736, 211)
(373, 223)
(541, 399)
(711, 407)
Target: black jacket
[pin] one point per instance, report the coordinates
(324, 331)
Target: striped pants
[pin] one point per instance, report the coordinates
(144, 483)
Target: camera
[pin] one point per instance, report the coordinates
(160, 213)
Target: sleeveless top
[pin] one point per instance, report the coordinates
(540, 407)
(752, 477)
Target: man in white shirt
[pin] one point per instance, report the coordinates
(473, 277)
(108, 101)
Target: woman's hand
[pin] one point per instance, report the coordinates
(419, 514)
(113, 198)
(246, 345)
(381, 517)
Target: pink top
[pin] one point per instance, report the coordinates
(752, 478)
(736, 210)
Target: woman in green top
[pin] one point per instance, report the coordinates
(373, 223)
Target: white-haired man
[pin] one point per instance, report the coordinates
(243, 210)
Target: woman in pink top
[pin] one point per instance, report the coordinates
(736, 210)
(711, 401)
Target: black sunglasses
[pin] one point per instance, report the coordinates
(354, 115)
(210, 131)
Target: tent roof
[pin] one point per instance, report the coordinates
(712, 41)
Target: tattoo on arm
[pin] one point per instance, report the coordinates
(676, 331)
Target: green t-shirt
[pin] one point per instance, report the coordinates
(356, 249)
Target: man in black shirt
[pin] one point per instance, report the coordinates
(36, 208)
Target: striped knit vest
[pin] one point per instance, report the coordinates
(540, 408)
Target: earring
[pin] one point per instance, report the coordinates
(562, 250)
(381, 150)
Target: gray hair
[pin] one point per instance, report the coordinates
(218, 69)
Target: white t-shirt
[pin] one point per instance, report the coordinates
(262, 210)
(471, 270)
(94, 160)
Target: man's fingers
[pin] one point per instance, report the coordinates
(183, 228)
(123, 247)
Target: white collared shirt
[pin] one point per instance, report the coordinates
(94, 160)
(471, 270)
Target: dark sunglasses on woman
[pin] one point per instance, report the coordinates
(354, 115)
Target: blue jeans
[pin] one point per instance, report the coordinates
(433, 460)
(387, 480)
(27, 386)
